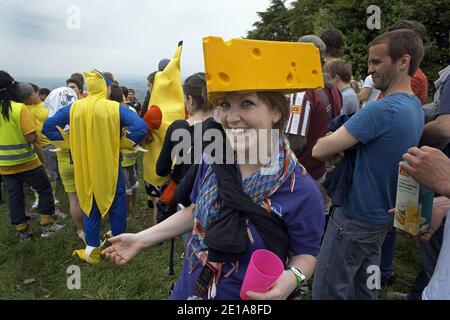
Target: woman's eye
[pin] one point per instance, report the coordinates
(224, 104)
(247, 103)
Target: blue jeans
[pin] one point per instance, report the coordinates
(387, 255)
(350, 249)
(37, 179)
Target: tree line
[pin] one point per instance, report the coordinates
(286, 23)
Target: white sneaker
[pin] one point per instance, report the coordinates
(60, 214)
(47, 231)
(33, 215)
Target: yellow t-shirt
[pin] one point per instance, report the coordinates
(41, 114)
(28, 125)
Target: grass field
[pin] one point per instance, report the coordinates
(37, 269)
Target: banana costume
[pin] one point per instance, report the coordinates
(96, 172)
(96, 128)
(167, 95)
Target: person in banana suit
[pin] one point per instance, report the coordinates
(99, 129)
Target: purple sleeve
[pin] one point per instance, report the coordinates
(303, 213)
(198, 181)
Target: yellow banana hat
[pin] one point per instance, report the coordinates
(167, 94)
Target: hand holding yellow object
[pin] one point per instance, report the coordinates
(63, 144)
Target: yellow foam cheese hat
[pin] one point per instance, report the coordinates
(241, 65)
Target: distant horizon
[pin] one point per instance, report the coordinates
(116, 76)
(138, 83)
(20, 77)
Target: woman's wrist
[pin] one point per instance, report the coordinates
(299, 276)
(290, 282)
(143, 241)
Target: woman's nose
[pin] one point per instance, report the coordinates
(233, 115)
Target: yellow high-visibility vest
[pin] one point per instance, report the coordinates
(14, 148)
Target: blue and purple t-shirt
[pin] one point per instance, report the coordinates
(301, 210)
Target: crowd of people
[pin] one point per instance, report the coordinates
(322, 203)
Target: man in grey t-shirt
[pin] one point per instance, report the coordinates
(341, 73)
(350, 102)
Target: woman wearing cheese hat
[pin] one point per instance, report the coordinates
(96, 124)
(241, 206)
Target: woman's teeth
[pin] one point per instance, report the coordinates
(239, 130)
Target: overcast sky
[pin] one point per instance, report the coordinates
(124, 37)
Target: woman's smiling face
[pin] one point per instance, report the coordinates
(244, 116)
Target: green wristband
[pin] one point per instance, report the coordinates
(299, 276)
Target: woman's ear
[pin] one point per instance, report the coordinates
(188, 101)
(276, 116)
(191, 106)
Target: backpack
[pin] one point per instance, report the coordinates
(325, 96)
(166, 205)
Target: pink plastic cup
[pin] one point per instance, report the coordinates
(263, 270)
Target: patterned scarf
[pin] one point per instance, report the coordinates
(258, 186)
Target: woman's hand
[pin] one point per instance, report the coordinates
(123, 248)
(281, 289)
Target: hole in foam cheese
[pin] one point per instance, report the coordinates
(257, 65)
(257, 53)
(289, 78)
(224, 77)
